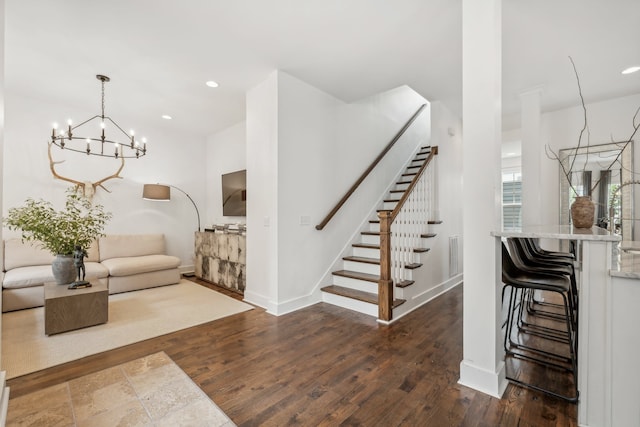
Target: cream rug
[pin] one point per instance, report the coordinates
(133, 317)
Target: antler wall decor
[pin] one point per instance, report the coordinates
(88, 188)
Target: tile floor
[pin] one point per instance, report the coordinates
(151, 391)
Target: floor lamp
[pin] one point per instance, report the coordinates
(163, 192)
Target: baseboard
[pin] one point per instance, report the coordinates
(261, 301)
(488, 382)
(187, 270)
(424, 297)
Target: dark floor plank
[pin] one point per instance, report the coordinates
(324, 365)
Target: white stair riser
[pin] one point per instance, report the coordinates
(360, 285)
(351, 304)
(401, 186)
(366, 252)
(374, 226)
(407, 274)
(369, 239)
(362, 267)
(389, 206)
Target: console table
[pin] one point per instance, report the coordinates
(221, 259)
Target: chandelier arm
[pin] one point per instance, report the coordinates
(68, 148)
(97, 116)
(116, 125)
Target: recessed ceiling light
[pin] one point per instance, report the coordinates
(211, 83)
(631, 69)
(166, 117)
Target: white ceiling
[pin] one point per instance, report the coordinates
(159, 53)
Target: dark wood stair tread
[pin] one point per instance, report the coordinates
(375, 278)
(405, 283)
(369, 297)
(370, 233)
(403, 182)
(428, 235)
(434, 222)
(413, 266)
(362, 259)
(366, 245)
(391, 200)
(420, 250)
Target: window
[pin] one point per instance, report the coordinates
(511, 200)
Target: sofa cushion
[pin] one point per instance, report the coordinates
(25, 277)
(36, 275)
(140, 264)
(93, 255)
(130, 245)
(19, 254)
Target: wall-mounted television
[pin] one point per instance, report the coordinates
(234, 193)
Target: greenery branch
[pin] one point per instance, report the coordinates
(553, 155)
(59, 231)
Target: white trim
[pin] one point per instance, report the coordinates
(491, 383)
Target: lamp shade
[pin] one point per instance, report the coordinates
(156, 192)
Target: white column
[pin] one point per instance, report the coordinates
(482, 367)
(532, 152)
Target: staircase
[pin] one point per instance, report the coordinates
(356, 285)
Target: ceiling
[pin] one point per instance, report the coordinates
(159, 53)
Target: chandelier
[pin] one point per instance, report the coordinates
(126, 146)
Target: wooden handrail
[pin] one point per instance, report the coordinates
(407, 192)
(385, 283)
(353, 188)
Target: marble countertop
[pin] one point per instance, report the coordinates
(563, 232)
(626, 262)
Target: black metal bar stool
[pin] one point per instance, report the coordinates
(520, 249)
(518, 282)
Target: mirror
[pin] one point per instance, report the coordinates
(599, 171)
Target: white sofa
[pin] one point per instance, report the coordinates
(125, 262)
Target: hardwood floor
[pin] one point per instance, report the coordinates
(324, 365)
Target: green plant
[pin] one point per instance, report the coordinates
(59, 231)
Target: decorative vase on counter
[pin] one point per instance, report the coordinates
(64, 272)
(582, 212)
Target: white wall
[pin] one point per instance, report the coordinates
(306, 157)
(608, 120)
(226, 152)
(173, 158)
(435, 276)
(449, 178)
(262, 194)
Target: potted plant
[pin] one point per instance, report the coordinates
(60, 231)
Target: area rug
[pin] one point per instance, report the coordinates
(152, 390)
(133, 317)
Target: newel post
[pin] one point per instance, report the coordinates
(385, 285)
